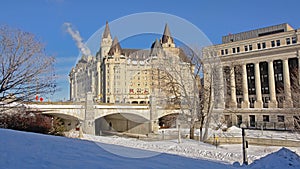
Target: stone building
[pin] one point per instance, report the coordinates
(257, 76)
(122, 75)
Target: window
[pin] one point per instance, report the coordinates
(280, 118)
(266, 118)
(278, 77)
(222, 52)
(233, 50)
(294, 40)
(226, 51)
(277, 42)
(246, 48)
(288, 41)
(239, 119)
(273, 43)
(238, 49)
(250, 47)
(258, 46)
(264, 45)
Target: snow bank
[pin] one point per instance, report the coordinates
(36, 151)
(284, 158)
(234, 129)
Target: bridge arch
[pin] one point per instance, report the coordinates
(69, 121)
(121, 122)
(63, 115)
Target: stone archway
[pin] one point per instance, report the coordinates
(69, 122)
(121, 122)
(168, 121)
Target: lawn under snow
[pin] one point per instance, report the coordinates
(29, 151)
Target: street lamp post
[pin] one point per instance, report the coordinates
(245, 145)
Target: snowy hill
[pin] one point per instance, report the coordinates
(284, 158)
(34, 151)
(20, 150)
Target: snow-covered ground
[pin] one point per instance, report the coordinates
(30, 151)
(190, 148)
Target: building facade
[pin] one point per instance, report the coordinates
(258, 77)
(121, 75)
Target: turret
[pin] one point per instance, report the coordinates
(167, 40)
(115, 48)
(156, 48)
(106, 41)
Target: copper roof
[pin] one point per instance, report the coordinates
(106, 32)
(167, 35)
(115, 47)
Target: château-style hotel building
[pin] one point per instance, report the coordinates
(259, 77)
(123, 75)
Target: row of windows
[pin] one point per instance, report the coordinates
(266, 118)
(139, 83)
(139, 90)
(274, 43)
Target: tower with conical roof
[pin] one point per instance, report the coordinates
(115, 48)
(106, 41)
(167, 40)
(156, 48)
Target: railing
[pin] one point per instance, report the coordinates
(269, 125)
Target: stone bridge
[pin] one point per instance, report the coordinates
(141, 119)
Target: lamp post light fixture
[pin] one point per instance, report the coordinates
(245, 145)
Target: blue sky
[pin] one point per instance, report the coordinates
(215, 18)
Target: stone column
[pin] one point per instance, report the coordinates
(99, 94)
(245, 102)
(232, 103)
(221, 102)
(273, 101)
(258, 103)
(89, 118)
(153, 123)
(287, 86)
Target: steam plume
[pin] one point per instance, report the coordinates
(77, 38)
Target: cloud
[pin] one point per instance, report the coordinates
(77, 38)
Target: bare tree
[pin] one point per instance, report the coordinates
(211, 87)
(295, 89)
(179, 79)
(26, 69)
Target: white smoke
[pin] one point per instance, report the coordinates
(77, 38)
